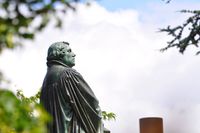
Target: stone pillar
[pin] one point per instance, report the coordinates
(151, 125)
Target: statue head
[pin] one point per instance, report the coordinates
(60, 51)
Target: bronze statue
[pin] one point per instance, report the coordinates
(66, 95)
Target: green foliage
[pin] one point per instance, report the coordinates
(33, 99)
(16, 115)
(186, 34)
(17, 17)
(108, 115)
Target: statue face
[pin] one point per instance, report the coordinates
(69, 57)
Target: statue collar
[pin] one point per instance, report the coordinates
(53, 62)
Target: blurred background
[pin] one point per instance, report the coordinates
(117, 45)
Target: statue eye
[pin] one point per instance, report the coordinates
(69, 50)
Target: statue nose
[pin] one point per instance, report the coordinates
(73, 55)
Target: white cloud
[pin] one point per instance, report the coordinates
(118, 55)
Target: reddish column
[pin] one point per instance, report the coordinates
(151, 125)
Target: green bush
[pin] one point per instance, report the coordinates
(18, 116)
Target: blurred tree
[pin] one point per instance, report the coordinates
(17, 18)
(22, 19)
(21, 116)
(185, 34)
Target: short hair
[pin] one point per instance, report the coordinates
(56, 51)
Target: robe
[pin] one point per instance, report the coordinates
(70, 101)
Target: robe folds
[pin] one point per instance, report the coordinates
(70, 101)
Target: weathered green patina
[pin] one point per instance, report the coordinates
(66, 95)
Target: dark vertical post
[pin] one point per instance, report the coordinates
(151, 125)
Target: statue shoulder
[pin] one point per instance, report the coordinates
(71, 72)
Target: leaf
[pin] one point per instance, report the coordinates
(108, 115)
(9, 40)
(28, 35)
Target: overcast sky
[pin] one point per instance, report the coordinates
(117, 52)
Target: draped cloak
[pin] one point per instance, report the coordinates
(70, 101)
